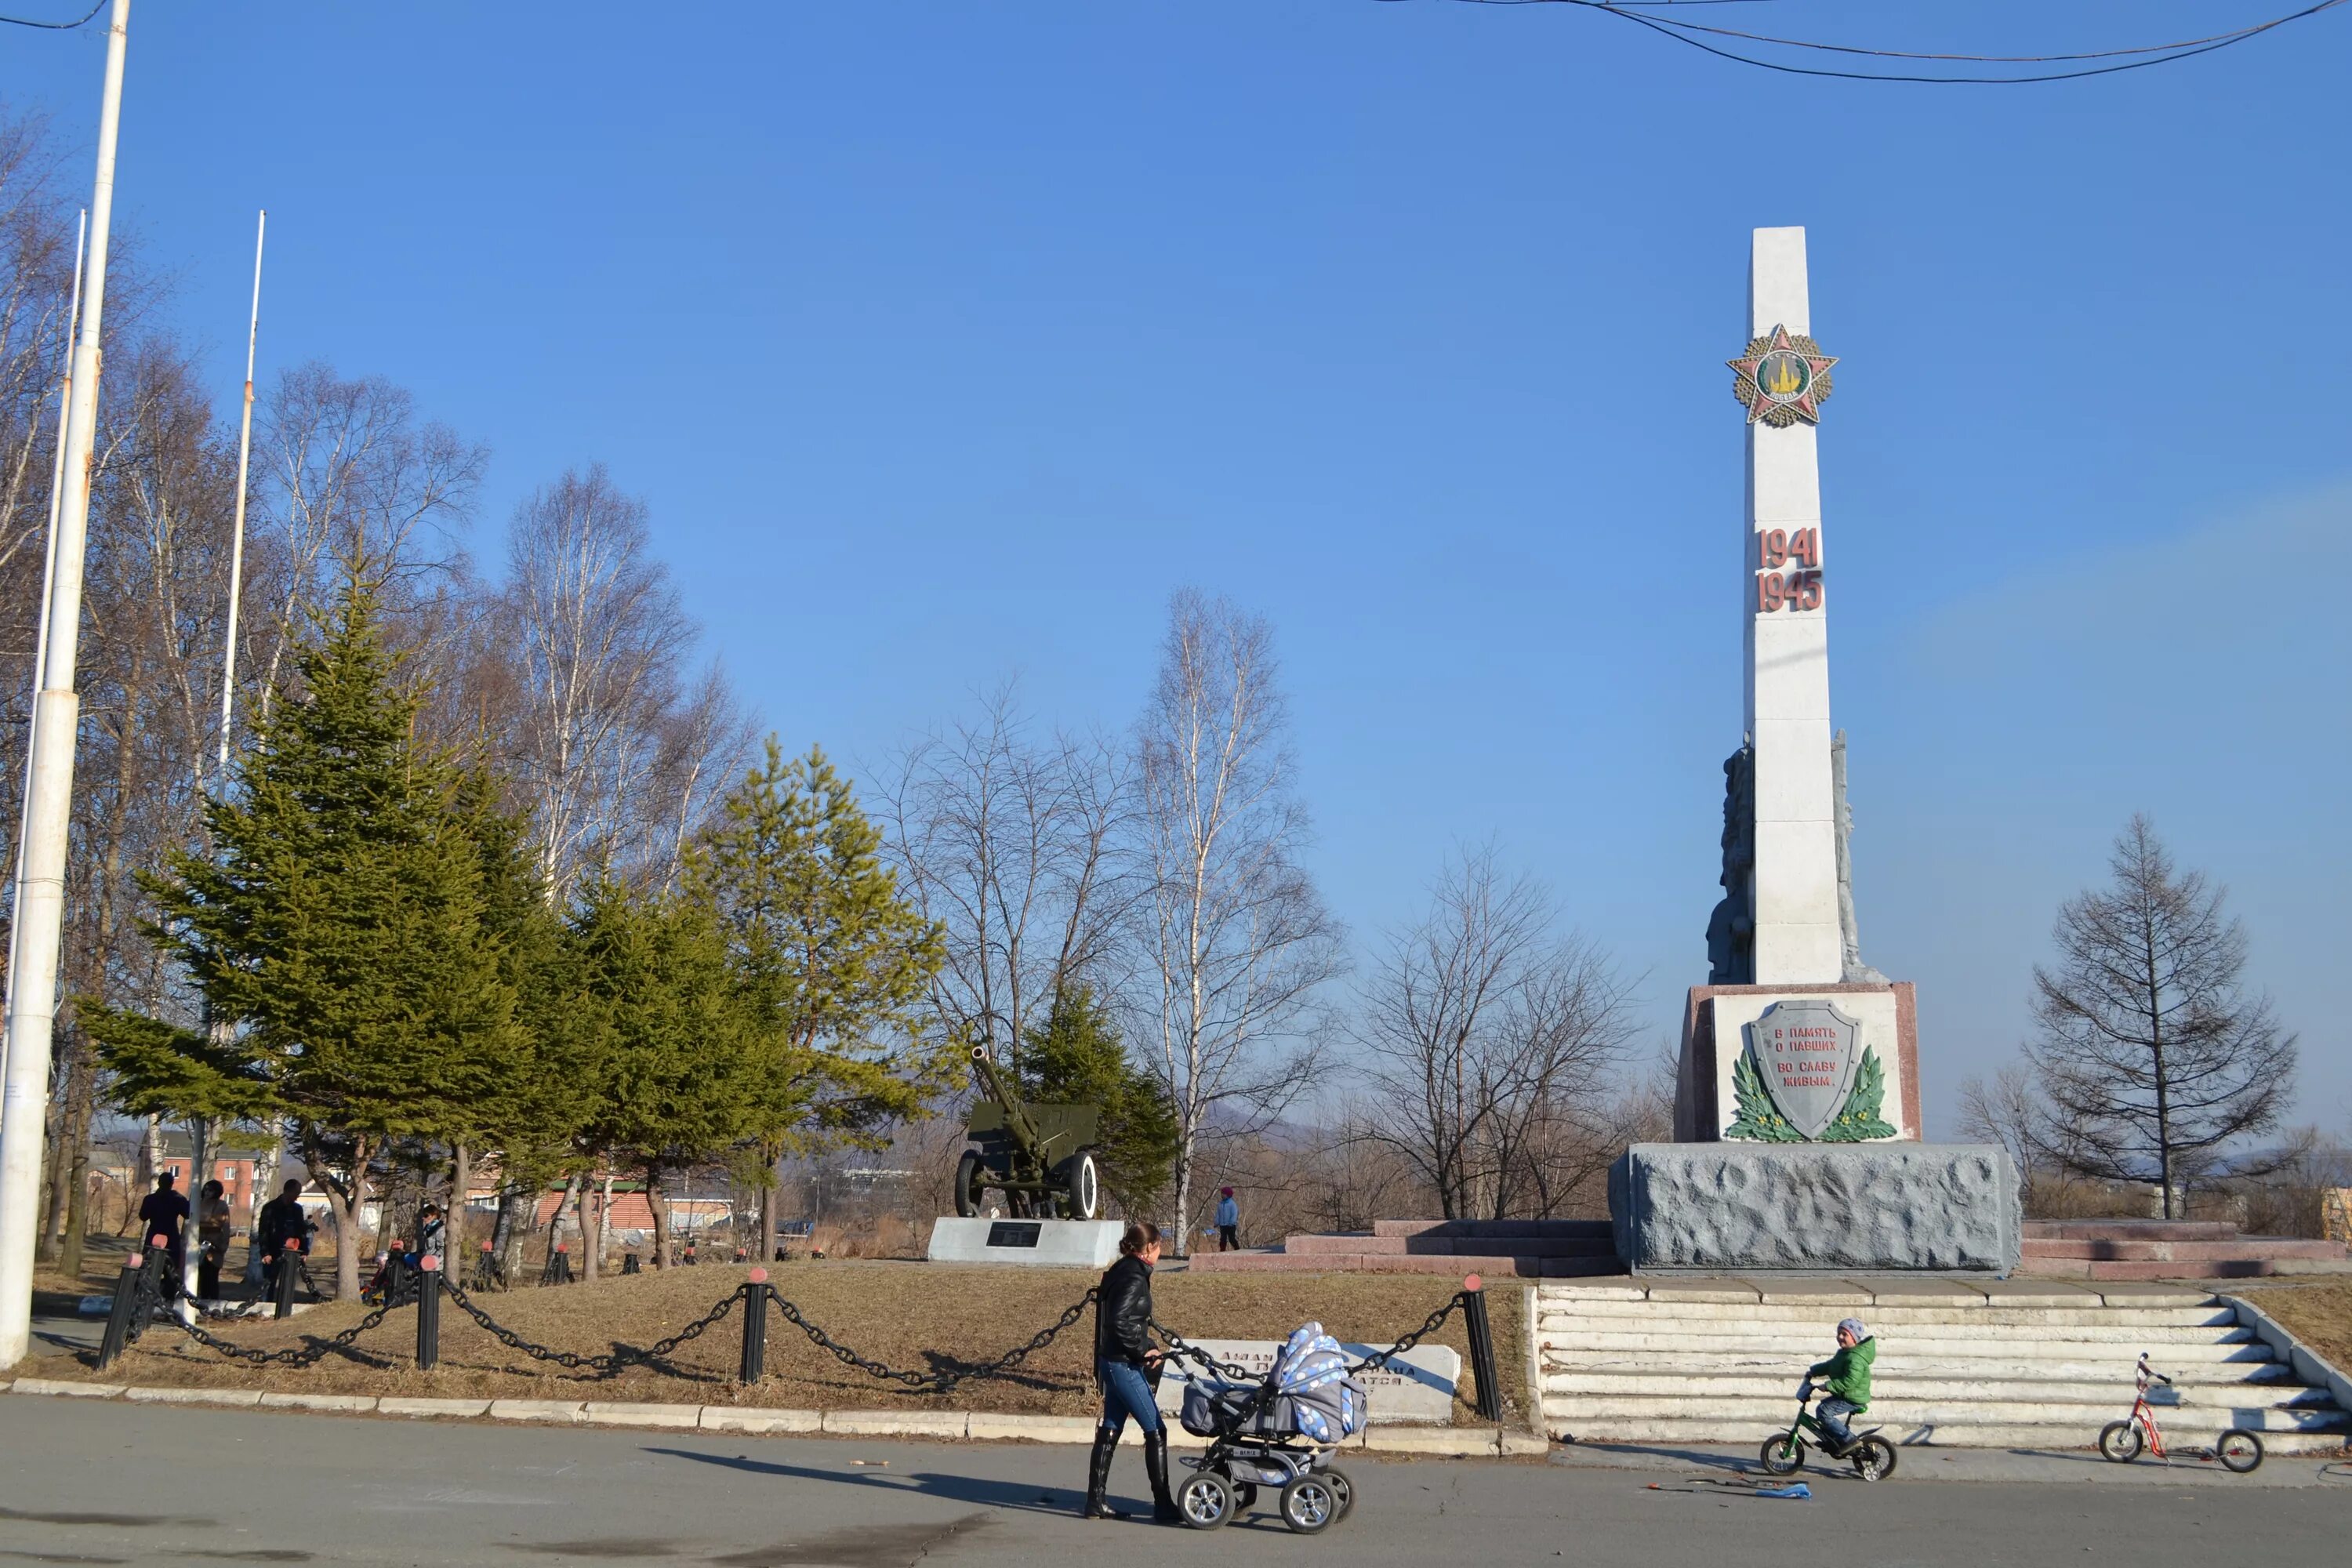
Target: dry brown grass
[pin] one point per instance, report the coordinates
(918, 1316)
(2319, 1314)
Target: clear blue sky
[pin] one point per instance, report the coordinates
(947, 338)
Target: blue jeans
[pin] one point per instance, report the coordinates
(1831, 1415)
(1127, 1391)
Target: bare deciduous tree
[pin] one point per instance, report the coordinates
(1236, 940)
(1013, 845)
(1493, 1036)
(613, 755)
(2151, 1056)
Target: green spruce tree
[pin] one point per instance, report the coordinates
(668, 1071)
(336, 934)
(1076, 1057)
(829, 960)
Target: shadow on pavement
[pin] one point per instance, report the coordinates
(1024, 1496)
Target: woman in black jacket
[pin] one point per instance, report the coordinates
(1125, 1365)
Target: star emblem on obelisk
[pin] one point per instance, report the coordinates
(1783, 378)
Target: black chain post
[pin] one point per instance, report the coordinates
(289, 1255)
(1481, 1332)
(754, 1364)
(429, 1312)
(117, 1318)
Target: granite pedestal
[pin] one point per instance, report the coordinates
(1729, 1207)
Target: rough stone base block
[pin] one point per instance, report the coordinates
(1742, 1207)
(1040, 1243)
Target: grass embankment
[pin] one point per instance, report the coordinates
(916, 1316)
(2318, 1313)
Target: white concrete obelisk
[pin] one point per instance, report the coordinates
(1794, 896)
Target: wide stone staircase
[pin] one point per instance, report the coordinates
(2019, 1363)
(1507, 1248)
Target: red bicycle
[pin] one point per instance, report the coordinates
(2238, 1450)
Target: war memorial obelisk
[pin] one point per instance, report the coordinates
(1797, 1121)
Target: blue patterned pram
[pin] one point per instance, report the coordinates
(1307, 1393)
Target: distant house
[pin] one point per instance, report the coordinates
(235, 1169)
(631, 1218)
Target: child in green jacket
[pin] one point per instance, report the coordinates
(1848, 1384)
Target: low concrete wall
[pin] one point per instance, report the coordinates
(2306, 1362)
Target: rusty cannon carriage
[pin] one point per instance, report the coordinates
(1041, 1157)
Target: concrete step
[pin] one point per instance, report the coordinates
(2093, 1270)
(1938, 1339)
(1680, 1432)
(1348, 1245)
(2082, 1387)
(1494, 1267)
(1706, 1315)
(2138, 1250)
(2087, 1417)
(1593, 1229)
(2141, 1229)
(2255, 1362)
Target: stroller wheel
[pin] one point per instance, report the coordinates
(1205, 1500)
(1344, 1489)
(1310, 1503)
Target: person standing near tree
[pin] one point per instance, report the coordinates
(283, 1227)
(1229, 1221)
(212, 1239)
(164, 1213)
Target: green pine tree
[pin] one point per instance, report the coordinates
(667, 1068)
(829, 959)
(1076, 1056)
(336, 935)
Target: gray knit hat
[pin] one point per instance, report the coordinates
(1853, 1326)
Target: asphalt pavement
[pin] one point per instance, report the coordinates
(85, 1481)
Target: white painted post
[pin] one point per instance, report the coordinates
(32, 985)
(1794, 893)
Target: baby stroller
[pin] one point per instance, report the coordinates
(1275, 1432)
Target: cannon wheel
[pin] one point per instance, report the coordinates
(1080, 1181)
(971, 1180)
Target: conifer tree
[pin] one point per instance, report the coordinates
(829, 959)
(336, 933)
(667, 1072)
(1076, 1056)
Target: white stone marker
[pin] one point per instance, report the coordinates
(1795, 892)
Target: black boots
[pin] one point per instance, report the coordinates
(1155, 1464)
(1098, 1477)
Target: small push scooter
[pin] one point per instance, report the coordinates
(1872, 1456)
(2238, 1450)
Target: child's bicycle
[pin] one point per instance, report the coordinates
(2238, 1450)
(1872, 1456)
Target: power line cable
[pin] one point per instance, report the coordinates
(2149, 54)
(57, 26)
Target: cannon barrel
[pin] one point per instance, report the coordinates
(1016, 1120)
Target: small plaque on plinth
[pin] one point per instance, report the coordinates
(1038, 1242)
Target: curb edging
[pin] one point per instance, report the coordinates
(957, 1426)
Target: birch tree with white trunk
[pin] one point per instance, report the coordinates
(1235, 939)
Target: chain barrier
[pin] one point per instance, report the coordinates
(931, 1382)
(607, 1363)
(300, 1355)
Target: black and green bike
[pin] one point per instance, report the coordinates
(1872, 1456)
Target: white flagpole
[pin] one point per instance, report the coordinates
(48, 575)
(40, 908)
(236, 540)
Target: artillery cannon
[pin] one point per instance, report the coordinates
(1041, 1157)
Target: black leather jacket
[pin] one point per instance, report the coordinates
(1123, 1312)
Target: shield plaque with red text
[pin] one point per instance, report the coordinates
(1806, 1052)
